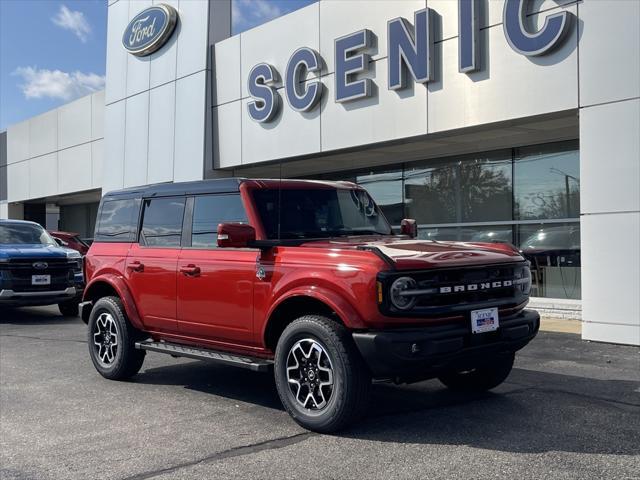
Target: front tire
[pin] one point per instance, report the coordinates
(321, 379)
(482, 378)
(112, 341)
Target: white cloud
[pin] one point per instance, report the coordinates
(250, 13)
(40, 83)
(74, 21)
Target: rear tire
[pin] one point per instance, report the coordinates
(69, 308)
(481, 378)
(321, 378)
(112, 339)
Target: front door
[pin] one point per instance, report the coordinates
(215, 285)
(151, 268)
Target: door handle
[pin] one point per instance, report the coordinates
(136, 266)
(190, 270)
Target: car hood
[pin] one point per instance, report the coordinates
(407, 254)
(31, 251)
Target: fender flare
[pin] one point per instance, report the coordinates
(118, 283)
(336, 302)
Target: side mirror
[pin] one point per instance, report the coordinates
(235, 235)
(60, 242)
(409, 227)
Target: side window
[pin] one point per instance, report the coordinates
(211, 210)
(118, 220)
(162, 222)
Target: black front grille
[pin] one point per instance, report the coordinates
(454, 291)
(463, 278)
(17, 274)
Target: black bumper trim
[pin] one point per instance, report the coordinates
(85, 310)
(424, 352)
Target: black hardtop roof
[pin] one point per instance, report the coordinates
(212, 186)
(220, 185)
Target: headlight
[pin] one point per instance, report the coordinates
(402, 284)
(73, 254)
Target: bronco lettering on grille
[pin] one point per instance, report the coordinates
(476, 286)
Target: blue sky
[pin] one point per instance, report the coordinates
(52, 51)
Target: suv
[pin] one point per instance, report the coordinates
(35, 270)
(305, 278)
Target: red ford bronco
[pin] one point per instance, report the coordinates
(305, 278)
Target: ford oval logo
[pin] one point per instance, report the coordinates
(40, 265)
(150, 29)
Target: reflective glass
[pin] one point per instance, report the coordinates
(162, 222)
(211, 210)
(554, 253)
(386, 190)
(118, 220)
(488, 233)
(547, 181)
(471, 189)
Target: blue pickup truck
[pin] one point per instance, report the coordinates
(36, 270)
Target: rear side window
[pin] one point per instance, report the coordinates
(211, 210)
(162, 222)
(118, 220)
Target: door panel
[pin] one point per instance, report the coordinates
(215, 294)
(151, 274)
(152, 264)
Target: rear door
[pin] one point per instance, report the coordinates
(215, 285)
(152, 262)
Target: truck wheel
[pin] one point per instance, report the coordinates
(69, 308)
(321, 379)
(112, 341)
(481, 378)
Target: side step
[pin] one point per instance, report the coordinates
(255, 364)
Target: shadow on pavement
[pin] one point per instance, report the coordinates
(34, 316)
(533, 412)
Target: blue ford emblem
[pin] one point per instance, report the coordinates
(150, 29)
(40, 265)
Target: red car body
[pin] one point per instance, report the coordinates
(304, 278)
(213, 298)
(70, 240)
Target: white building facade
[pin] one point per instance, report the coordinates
(485, 120)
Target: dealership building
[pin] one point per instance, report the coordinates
(485, 120)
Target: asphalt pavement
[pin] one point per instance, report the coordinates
(569, 410)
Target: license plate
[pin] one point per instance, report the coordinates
(40, 279)
(484, 320)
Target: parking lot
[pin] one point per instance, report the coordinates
(570, 409)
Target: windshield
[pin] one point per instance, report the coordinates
(318, 213)
(24, 234)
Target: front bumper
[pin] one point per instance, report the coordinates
(416, 354)
(12, 298)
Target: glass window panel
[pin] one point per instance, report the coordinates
(554, 253)
(440, 234)
(471, 189)
(211, 210)
(385, 187)
(430, 193)
(118, 220)
(488, 233)
(386, 190)
(547, 181)
(162, 222)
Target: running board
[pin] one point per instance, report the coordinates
(255, 364)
